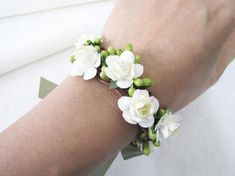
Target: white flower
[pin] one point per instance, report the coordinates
(84, 37)
(167, 125)
(123, 69)
(139, 108)
(87, 59)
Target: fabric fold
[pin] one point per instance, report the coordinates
(27, 38)
(16, 7)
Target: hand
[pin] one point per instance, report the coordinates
(185, 44)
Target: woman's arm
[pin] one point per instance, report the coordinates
(78, 126)
(74, 129)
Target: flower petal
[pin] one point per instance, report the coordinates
(111, 59)
(155, 104)
(138, 70)
(175, 132)
(128, 56)
(77, 69)
(109, 73)
(157, 127)
(89, 74)
(158, 136)
(173, 126)
(176, 117)
(139, 92)
(82, 50)
(124, 84)
(124, 103)
(97, 64)
(127, 116)
(136, 118)
(164, 132)
(147, 123)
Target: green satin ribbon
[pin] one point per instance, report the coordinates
(128, 152)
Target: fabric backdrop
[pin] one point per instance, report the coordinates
(27, 38)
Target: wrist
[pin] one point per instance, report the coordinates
(91, 119)
(153, 68)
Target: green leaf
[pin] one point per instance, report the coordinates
(112, 85)
(45, 87)
(130, 151)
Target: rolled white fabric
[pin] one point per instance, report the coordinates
(27, 38)
(16, 7)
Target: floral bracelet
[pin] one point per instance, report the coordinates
(122, 70)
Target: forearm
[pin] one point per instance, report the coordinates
(74, 129)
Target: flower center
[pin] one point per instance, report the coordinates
(146, 110)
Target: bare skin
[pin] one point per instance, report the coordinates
(185, 46)
(62, 133)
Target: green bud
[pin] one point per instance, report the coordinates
(129, 47)
(88, 42)
(103, 68)
(104, 54)
(103, 76)
(111, 50)
(161, 112)
(131, 90)
(147, 82)
(137, 59)
(138, 82)
(97, 41)
(156, 143)
(97, 48)
(119, 52)
(152, 134)
(142, 136)
(72, 58)
(103, 63)
(146, 149)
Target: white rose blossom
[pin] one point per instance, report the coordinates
(168, 125)
(87, 59)
(139, 108)
(122, 69)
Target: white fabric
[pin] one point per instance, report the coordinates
(27, 38)
(204, 147)
(16, 7)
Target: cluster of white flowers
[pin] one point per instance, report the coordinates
(137, 109)
(140, 108)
